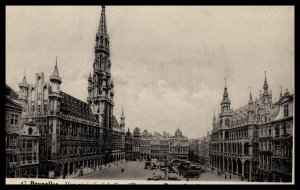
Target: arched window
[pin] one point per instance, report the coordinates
(30, 131)
(284, 130)
(101, 41)
(246, 149)
(227, 122)
(226, 135)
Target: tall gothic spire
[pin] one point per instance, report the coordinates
(102, 30)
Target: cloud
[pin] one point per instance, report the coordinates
(162, 107)
(168, 63)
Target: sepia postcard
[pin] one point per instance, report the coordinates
(149, 95)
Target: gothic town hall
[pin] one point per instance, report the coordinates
(72, 134)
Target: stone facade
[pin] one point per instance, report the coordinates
(12, 137)
(237, 144)
(145, 148)
(75, 134)
(156, 145)
(276, 143)
(136, 143)
(128, 145)
(178, 146)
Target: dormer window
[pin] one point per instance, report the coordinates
(30, 131)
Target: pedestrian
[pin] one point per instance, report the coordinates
(242, 178)
(94, 168)
(229, 175)
(122, 170)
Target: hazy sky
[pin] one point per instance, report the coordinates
(168, 63)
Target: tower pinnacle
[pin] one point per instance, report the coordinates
(250, 96)
(266, 86)
(102, 30)
(55, 76)
(214, 118)
(122, 115)
(24, 82)
(225, 94)
(266, 83)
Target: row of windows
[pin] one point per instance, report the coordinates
(38, 109)
(265, 145)
(235, 148)
(29, 143)
(78, 150)
(12, 143)
(78, 130)
(265, 159)
(29, 157)
(282, 149)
